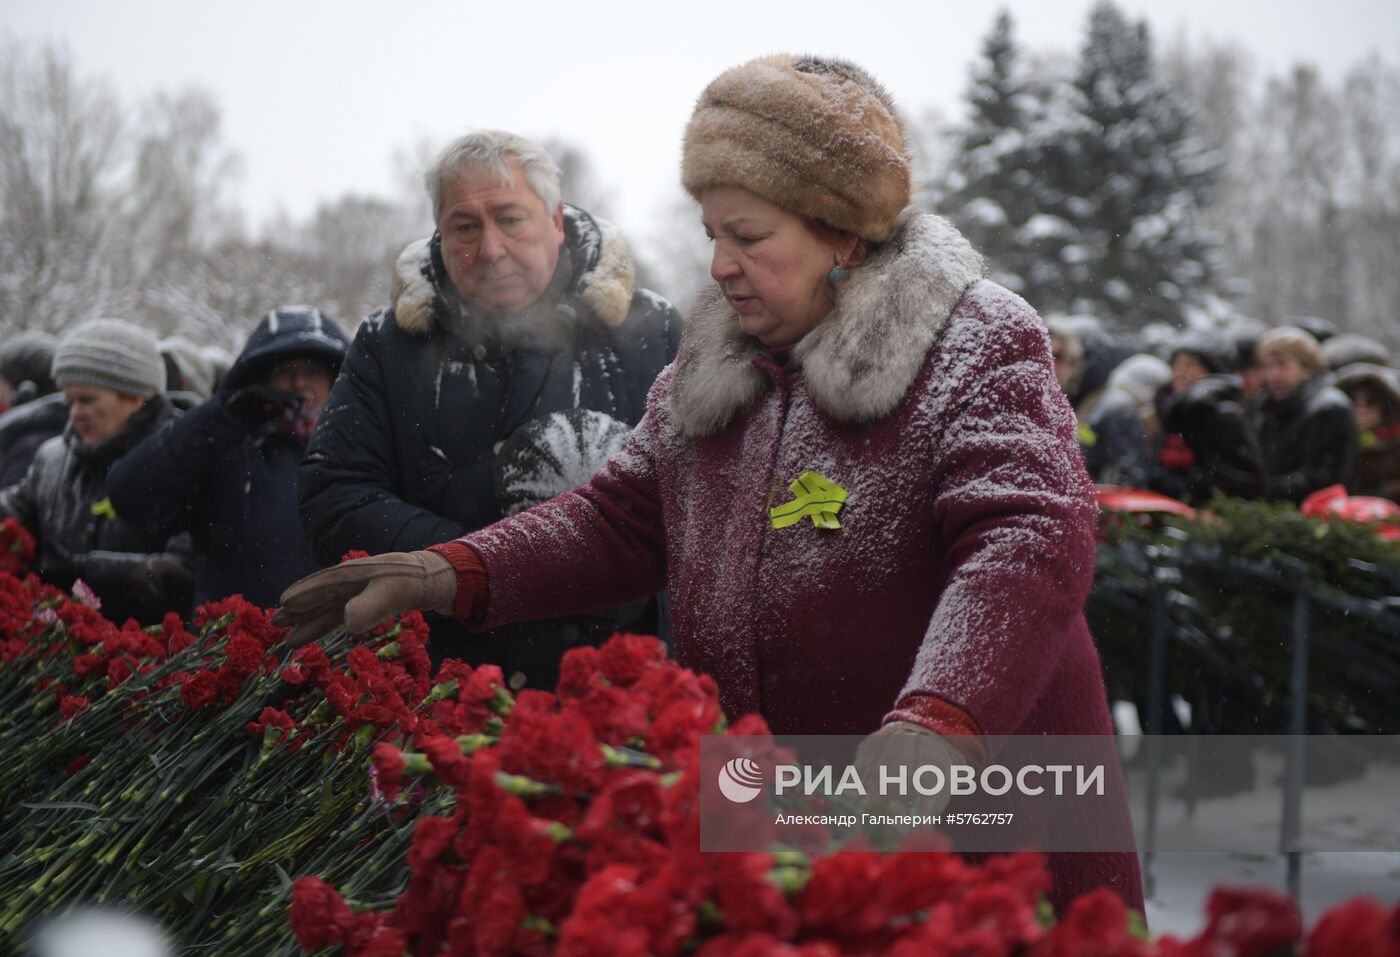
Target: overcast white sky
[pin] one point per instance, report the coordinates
(317, 96)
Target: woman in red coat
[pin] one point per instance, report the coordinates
(859, 480)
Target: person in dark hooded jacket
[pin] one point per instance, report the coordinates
(112, 375)
(1306, 425)
(1206, 442)
(33, 409)
(1111, 433)
(1375, 395)
(519, 307)
(226, 471)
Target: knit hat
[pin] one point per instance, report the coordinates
(111, 354)
(1140, 376)
(817, 136)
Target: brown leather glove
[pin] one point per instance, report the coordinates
(365, 592)
(904, 743)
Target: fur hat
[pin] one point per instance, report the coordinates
(817, 136)
(113, 355)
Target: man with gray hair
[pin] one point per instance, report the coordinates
(515, 355)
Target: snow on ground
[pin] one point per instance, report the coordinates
(1183, 881)
(1362, 815)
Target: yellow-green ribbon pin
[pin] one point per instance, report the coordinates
(104, 509)
(818, 498)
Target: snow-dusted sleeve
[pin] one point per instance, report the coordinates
(1016, 511)
(597, 547)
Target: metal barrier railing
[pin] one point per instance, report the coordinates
(1154, 581)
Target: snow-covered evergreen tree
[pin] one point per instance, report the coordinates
(992, 186)
(1131, 182)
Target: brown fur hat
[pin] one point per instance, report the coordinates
(816, 135)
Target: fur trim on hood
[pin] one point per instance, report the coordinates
(603, 280)
(859, 361)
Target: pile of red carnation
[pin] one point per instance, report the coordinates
(575, 834)
(192, 774)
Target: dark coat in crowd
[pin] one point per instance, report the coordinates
(26, 359)
(26, 427)
(1111, 433)
(1113, 438)
(1308, 439)
(63, 500)
(403, 455)
(1206, 443)
(230, 483)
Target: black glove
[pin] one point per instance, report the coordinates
(256, 404)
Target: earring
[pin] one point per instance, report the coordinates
(836, 275)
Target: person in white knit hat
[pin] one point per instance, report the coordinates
(112, 375)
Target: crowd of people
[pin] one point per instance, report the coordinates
(1256, 413)
(853, 434)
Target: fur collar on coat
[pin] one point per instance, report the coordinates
(603, 280)
(862, 359)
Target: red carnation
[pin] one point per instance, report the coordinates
(69, 705)
(625, 658)
(174, 635)
(319, 915)
(578, 671)
(1000, 909)
(276, 719)
(1357, 928)
(449, 764)
(199, 690)
(388, 770)
(244, 653)
(431, 838)
(1252, 922)
(593, 929)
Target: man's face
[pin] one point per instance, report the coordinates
(98, 414)
(499, 243)
(1283, 374)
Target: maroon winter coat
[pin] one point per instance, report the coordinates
(966, 546)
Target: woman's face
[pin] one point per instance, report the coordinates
(769, 264)
(98, 413)
(1187, 368)
(1367, 411)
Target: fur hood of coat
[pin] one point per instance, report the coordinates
(861, 359)
(602, 280)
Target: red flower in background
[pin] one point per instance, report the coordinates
(1358, 928)
(16, 547)
(1250, 922)
(69, 705)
